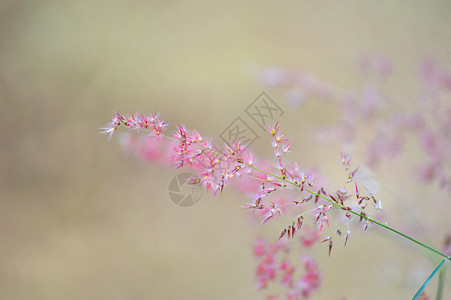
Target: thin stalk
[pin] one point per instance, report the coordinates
(439, 293)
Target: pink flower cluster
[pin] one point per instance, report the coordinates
(215, 167)
(431, 122)
(137, 122)
(275, 266)
(153, 150)
(285, 192)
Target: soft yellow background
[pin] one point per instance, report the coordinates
(79, 219)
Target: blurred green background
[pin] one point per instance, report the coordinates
(79, 219)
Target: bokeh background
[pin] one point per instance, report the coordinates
(79, 219)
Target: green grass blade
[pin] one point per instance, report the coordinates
(429, 279)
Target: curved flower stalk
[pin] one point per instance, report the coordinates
(283, 192)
